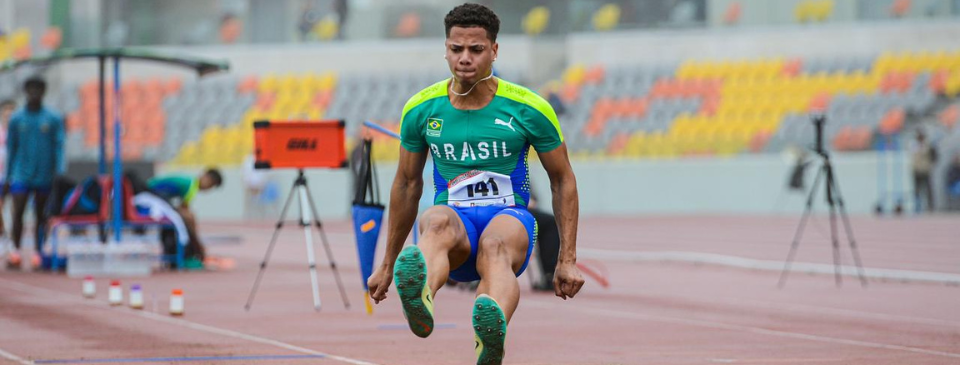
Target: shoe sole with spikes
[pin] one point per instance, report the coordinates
(410, 277)
(490, 330)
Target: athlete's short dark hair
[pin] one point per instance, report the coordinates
(473, 15)
(35, 81)
(214, 175)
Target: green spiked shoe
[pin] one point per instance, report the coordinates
(489, 329)
(410, 277)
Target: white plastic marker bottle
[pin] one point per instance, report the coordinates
(136, 297)
(176, 302)
(115, 295)
(89, 287)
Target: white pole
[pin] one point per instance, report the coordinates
(306, 221)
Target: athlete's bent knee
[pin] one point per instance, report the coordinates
(492, 248)
(435, 222)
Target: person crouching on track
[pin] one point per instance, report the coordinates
(179, 191)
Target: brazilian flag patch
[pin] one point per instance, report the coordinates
(434, 127)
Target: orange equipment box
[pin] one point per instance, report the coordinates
(300, 144)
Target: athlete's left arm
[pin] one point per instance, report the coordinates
(566, 207)
(59, 137)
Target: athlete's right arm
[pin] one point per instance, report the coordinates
(404, 200)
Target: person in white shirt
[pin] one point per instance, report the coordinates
(6, 110)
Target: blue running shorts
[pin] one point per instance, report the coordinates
(475, 220)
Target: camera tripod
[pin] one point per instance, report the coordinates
(308, 210)
(835, 204)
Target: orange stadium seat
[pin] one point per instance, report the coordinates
(841, 140)
(900, 8)
(323, 98)
(73, 121)
(618, 144)
(153, 87)
(248, 84)
(265, 101)
(861, 138)
(602, 110)
(570, 93)
(709, 105)
(622, 107)
(172, 86)
(948, 117)
(637, 107)
(892, 122)
(938, 81)
(792, 67)
(819, 103)
(130, 87)
(732, 14)
(594, 75)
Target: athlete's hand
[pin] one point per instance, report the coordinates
(567, 280)
(379, 283)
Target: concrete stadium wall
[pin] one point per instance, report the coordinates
(760, 12)
(370, 57)
(747, 185)
(543, 58)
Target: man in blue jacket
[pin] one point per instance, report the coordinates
(34, 157)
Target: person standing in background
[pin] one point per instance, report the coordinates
(7, 108)
(923, 156)
(953, 184)
(340, 8)
(35, 138)
(309, 17)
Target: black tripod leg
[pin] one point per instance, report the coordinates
(326, 246)
(273, 240)
(848, 228)
(834, 240)
(799, 234)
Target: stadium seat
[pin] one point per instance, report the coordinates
(948, 116)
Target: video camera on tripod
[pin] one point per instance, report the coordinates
(818, 122)
(835, 203)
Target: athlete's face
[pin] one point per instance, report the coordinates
(35, 94)
(470, 53)
(207, 182)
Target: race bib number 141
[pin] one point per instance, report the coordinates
(480, 188)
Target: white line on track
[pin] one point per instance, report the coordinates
(767, 265)
(14, 358)
(803, 308)
(740, 328)
(181, 322)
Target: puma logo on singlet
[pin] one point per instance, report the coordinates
(508, 124)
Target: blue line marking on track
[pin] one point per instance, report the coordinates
(404, 326)
(181, 359)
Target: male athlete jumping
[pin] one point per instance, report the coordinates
(479, 130)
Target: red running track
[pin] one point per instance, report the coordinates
(653, 312)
